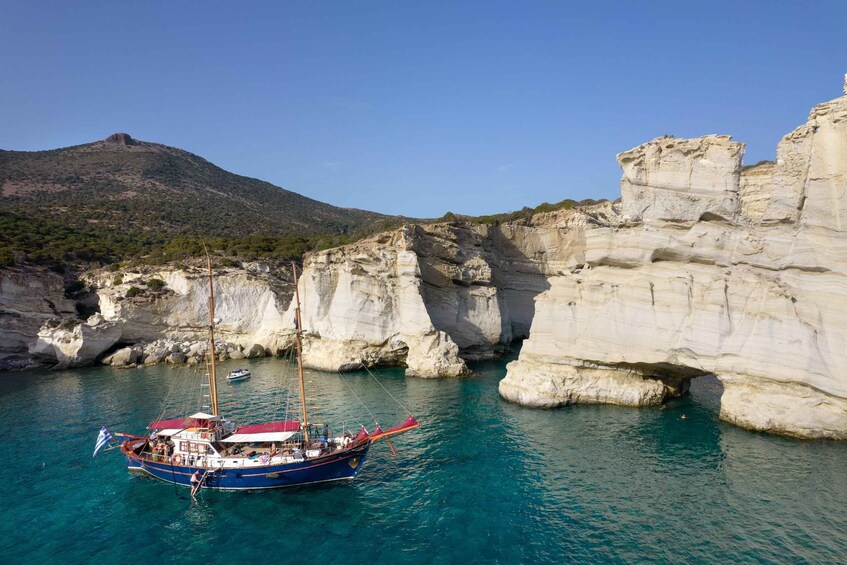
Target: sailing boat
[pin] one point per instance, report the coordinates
(268, 455)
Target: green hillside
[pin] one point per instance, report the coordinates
(120, 197)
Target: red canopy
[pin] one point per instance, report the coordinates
(167, 424)
(281, 426)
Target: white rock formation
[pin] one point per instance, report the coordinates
(430, 296)
(362, 306)
(28, 299)
(77, 345)
(758, 296)
(754, 190)
(682, 179)
(248, 309)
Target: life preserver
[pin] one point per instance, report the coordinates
(177, 459)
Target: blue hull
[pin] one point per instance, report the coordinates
(332, 467)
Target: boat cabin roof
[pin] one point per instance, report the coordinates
(168, 432)
(258, 438)
(204, 416)
(264, 433)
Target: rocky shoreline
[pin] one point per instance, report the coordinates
(173, 353)
(144, 315)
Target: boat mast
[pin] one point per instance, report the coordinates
(297, 329)
(213, 380)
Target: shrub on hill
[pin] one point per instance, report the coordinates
(521, 214)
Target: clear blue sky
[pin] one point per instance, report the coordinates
(417, 108)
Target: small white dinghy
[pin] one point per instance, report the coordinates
(238, 375)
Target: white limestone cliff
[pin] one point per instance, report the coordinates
(682, 179)
(754, 190)
(171, 323)
(74, 345)
(361, 306)
(432, 296)
(756, 293)
(248, 309)
(28, 300)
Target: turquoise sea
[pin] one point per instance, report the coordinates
(483, 481)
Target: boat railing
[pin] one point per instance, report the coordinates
(240, 456)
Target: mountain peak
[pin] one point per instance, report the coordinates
(120, 139)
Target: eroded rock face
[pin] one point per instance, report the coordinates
(756, 293)
(682, 179)
(28, 300)
(361, 305)
(166, 321)
(75, 346)
(432, 296)
(755, 189)
(824, 201)
(248, 308)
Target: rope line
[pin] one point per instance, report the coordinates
(386, 391)
(357, 397)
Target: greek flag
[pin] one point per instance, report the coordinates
(102, 439)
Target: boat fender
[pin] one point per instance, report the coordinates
(177, 459)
